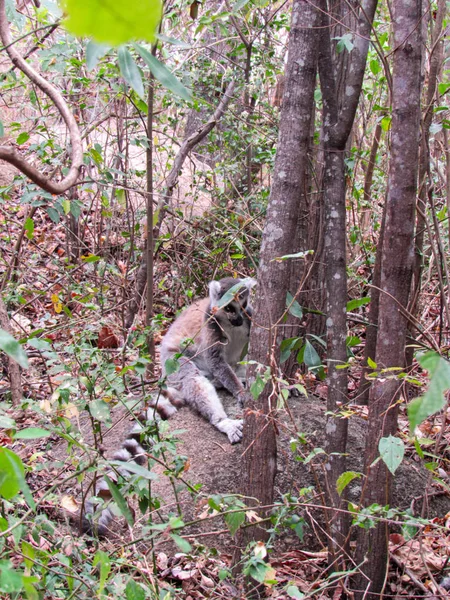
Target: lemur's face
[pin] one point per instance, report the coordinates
(238, 309)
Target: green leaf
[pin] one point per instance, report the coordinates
(29, 227)
(99, 409)
(7, 422)
(293, 592)
(375, 66)
(90, 258)
(163, 75)
(372, 364)
(53, 214)
(133, 467)
(234, 520)
(23, 137)
(433, 400)
(345, 479)
(2, 130)
(392, 451)
(11, 581)
(112, 22)
(313, 454)
(257, 387)
(105, 567)
(31, 433)
(133, 591)
(443, 88)
(344, 43)
(130, 71)
(310, 356)
(12, 474)
(386, 123)
(182, 544)
(171, 365)
(119, 500)
(94, 52)
(357, 303)
(294, 307)
(13, 349)
(240, 4)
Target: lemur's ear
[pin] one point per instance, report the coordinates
(249, 282)
(214, 292)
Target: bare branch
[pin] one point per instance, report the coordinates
(11, 155)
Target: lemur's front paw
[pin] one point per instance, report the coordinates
(233, 429)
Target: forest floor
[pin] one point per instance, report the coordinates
(216, 465)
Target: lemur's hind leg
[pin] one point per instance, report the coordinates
(200, 393)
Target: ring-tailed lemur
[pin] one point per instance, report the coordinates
(211, 336)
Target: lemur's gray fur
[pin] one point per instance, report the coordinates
(211, 336)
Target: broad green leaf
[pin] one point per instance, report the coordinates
(112, 22)
(293, 592)
(133, 467)
(433, 400)
(182, 544)
(240, 4)
(163, 75)
(375, 66)
(11, 581)
(23, 137)
(94, 52)
(294, 307)
(39, 344)
(310, 356)
(99, 409)
(7, 422)
(12, 474)
(345, 479)
(392, 451)
(66, 206)
(171, 365)
(53, 214)
(130, 71)
(133, 591)
(258, 570)
(356, 303)
(386, 123)
(443, 88)
(2, 130)
(234, 291)
(119, 500)
(257, 387)
(234, 520)
(13, 349)
(105, 567)
(31, 433)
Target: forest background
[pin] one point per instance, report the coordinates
(305, 143)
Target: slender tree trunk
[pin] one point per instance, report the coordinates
(289, 172)
(396, 272)
(341, 88)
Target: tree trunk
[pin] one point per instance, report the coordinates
(396, 271)
(279, 232)
(341, 88)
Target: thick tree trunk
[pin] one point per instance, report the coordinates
(279, 232)
(396, 271)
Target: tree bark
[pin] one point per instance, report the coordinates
(341, 86)
(396, 272)
(279, 232)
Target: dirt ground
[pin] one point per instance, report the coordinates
(215, 464)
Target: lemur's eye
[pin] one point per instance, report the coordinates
(229, 308)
